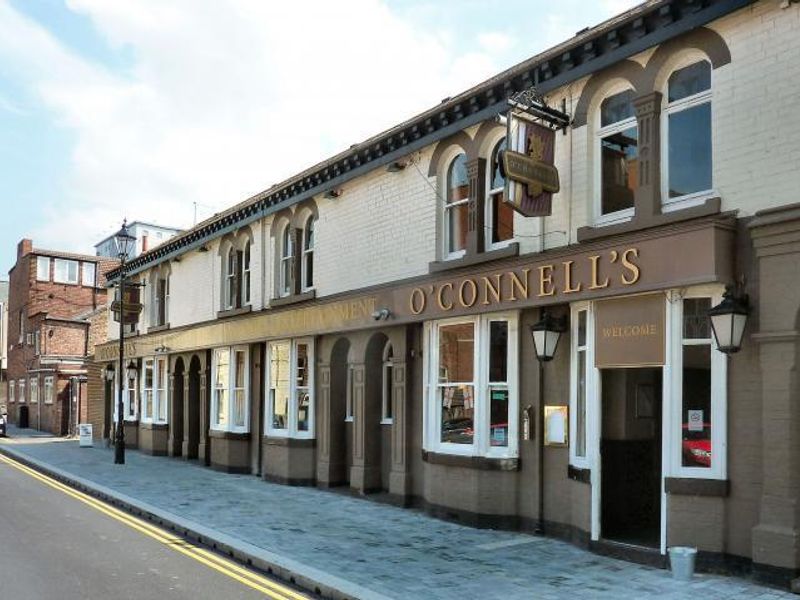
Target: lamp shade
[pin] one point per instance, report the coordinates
(546, 334)
(109, 373)
(728, 320)
(125, 241)
(132, 370)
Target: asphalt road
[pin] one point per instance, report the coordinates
(56, 546)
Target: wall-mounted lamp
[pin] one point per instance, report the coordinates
(333, 193)
(110, 373)
(132, 370)
(382, 314)
(546, 334)
(162, 349)
(728, 319)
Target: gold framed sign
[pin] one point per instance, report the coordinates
(531, 176)
(629, 332)
(556, 425)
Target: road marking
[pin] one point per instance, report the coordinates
(218, 563)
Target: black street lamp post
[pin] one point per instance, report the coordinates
(125, 243)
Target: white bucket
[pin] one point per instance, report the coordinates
(681, 559)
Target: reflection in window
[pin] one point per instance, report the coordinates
(500, 215)
(221, 381)
(619, 153)
(302, 387)
(388, 379)
(239, 377)
(456, 382)
(279, 384)
(498, 383)
(308, 254)
(688, 118)
(287, 261)
(457, 206)
(696, 410)
(580, 397)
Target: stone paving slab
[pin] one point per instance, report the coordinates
(382, 550)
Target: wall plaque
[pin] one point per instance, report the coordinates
(629, 332)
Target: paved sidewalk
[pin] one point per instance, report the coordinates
(381, 550)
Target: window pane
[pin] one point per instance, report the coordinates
(238, 408)
(222, 374)
(458, 414)
(456, 353)
(582, 328)
(497, 179)
(303, 406)
(498, 351)
(696, 324)
(498, 408)
(88, 274)
(616, 108)
(279, 384)
(580, 405)
(222, 406)
(240, 371)
(457, 227)
(388, 374)
(502, 219)
(696, 410)
(43, 268)
(302, 365)
(457, 179)
(689, 81)
(690, 151)
(620, 164)
(309, 258)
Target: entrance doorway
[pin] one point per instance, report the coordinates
(630, 451)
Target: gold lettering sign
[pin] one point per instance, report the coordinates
(629, 332)
(613, 269)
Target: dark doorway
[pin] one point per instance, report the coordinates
(375, 433)
(176, 421)
(631, 456)
(193, 410)
(341, 428)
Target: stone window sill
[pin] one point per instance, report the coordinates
(690, 486)
(480, 463)
(157, 328)
(292, 299)
(232, 312)
(469, 260)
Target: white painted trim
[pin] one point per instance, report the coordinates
(291, 430)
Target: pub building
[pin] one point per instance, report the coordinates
(370, 322)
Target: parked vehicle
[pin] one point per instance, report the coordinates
(696, 446)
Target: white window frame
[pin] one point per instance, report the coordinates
(21, 388)
(446, 206)
(161, 391)
(88, 267)
(33, 384)
(489, 201)
(49, 389)
(387, 384)
(481, 445)
(591, 376)
(12, 391)
(291, 430)
(707, 96)
(147, 416)
(719, 392)
(601, 132)
(42, 262)
(66, 264)
(308, 253)
(229, 425)
(247, 257)
(230, 278)
(286, 255)
(349, 409)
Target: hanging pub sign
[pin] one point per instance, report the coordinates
(531, 177)
(133, 306)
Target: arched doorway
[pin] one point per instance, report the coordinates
(192, 437)
(377, 424)
(176, 409)
(341, 427)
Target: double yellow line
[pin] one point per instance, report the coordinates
(218, 563)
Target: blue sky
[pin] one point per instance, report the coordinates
(144, 108)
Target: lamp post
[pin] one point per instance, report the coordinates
(728, 319)
(125, 243)
(546, 334)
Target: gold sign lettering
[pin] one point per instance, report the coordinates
(568, 289)
(595, 285)
(474, 293)
(417, 301)
(519, 285)
(440, 300)
(633, 268)
(545, 279)
(491, 288)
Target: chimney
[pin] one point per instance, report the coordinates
(24, 247)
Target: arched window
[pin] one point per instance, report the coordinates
(308, 254)
(159, 296)
(387, 414)
(499, 214)
(686, 157)
(230, 279)
(456, 208)
(618, 149)
(237, 275)
(246, 274)
(287, 259)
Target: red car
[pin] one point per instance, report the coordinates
(696, 446)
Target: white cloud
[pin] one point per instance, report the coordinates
(225, 98)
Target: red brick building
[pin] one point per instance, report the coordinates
(57, 313)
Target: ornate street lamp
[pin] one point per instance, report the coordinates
(546, 334)
(728, 320)
(125, 242)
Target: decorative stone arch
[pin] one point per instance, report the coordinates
(628, 70)
(333, 462)
(702, 40)
(280, 221)
(446, 147)
(178, 376)
(303, 211)
(487, 136)
(232, 241)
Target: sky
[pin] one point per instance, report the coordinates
(169, 110)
